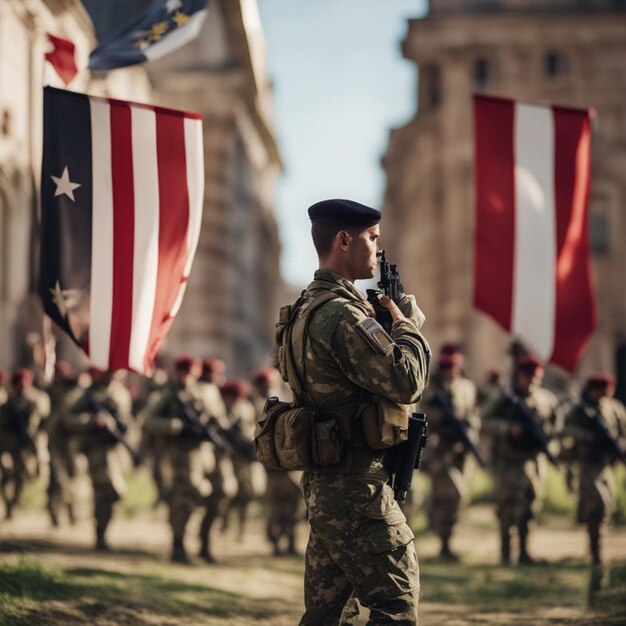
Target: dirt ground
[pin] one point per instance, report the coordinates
(252, 578)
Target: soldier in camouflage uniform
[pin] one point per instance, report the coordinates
(584, 446)
(100, 409)
(283, 496)
(519, 469)
(183, 459)
(359, 545)
(220, 473)
(63, 392)
(241, 415)
(448, 465)
(20, 422)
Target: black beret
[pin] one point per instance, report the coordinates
(345, 211)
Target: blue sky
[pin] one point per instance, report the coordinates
(340, 85)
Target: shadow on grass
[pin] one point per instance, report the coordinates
(83, 595)
(34, 546)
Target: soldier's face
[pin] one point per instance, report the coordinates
(362, 253)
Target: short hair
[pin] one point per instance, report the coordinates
(324, 231)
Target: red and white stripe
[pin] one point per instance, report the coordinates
(148, 186)
(531, 255)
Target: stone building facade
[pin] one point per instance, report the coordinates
(230, 303)
(24, 26)
(571, 52)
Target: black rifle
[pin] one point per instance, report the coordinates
(455, 425)
(390, 285)
(534, 435)
(18, 419)
(205, 430)
(117, 430)
(606, 441)
(241, 445)
(408, 455)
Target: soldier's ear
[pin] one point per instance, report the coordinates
(343, 238)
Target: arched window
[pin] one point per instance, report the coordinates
(555, 65)
(480, 74)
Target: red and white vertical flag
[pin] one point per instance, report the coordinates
(531, 252)
(122, 194)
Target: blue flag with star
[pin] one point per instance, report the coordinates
(164, 27)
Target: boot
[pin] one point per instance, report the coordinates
(101, 544)
(179, 554)
(594, 546)
(505, 546)
(446, 553)
(524, 557)
(205, 553)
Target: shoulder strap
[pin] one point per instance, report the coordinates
(292, 372)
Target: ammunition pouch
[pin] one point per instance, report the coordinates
(385, 423)
(293, 438)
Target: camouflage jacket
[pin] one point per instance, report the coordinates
(21, 419)
(460, 395)
(499, 415)
(101, 397)
(165, 416)
(579, 438)
(340, 365)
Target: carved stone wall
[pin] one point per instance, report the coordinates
(572, 53)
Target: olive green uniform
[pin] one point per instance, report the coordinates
(20, 421)
(448, 465)
(519, 470)
(62, 450)
(596, 497)
(104, 456)
(359, 545)
(182, 457)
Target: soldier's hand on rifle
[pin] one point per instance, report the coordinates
(387, 303)
(102, 420)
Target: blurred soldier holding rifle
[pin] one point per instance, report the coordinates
(450, 403)
(520, 423)
(594, 439)
(180, 420)
(358, 381)
(20, 422)
(98, 419)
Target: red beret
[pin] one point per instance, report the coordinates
(493, 375)
(529, 364)
(450, 360)
(266, 376)
(235, 389)
(213, 366)
(22, 375)
(62, 369)
(600, 381)
(450, 347)
(185, 363)
(4, 377)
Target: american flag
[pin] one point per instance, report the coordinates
(121, 194)
(532, 269)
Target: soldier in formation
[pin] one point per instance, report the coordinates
(450, 403)
(21, 419)
(98, 421)
(513, 419)
(64, 391)
(593, 439)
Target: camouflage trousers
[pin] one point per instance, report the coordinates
(359, 547)
(185, 483)
(596, 494)
(518, 487)
(105, 472)
(448, 492)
